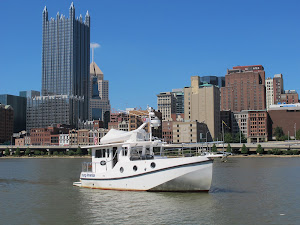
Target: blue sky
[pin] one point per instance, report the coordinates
(154, 46)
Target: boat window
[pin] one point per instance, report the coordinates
(121, 169)
(100, 153)
(107, 153)
(152, 165)
(135, 168)
(124, 151)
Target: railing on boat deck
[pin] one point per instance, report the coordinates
(181, 152)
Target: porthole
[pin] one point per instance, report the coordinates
(134, 168)
(153, 165)
(121, 169)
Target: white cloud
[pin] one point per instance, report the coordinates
(95, 45)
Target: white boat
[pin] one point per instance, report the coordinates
(134, 162)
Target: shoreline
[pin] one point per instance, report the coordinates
(89, 157)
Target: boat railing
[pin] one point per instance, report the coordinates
(181, 152)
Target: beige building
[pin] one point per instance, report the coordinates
(166, 105)
(269, 92)
(189, 132)
(202, 104)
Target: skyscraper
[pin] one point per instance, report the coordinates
(202, 104)
(99, 100)
(65, 72)
(244, 89)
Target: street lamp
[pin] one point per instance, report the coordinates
(295, 131)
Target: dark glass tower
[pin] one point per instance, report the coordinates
(66, 56)
(65, 72)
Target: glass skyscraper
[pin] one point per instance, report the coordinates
(65, 69)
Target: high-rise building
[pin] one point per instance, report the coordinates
(6, 123)
(202, 104)
(29, 94)
(99, 98)
(277, 87)
(65, 71)
(217, 81)
(19, 106)
(179, 100)
(166, 105)
(244, 89)
(269, 92)
(169, 103)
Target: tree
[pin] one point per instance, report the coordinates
(55, 153)
(214, 148)
(244, 149)
(278, 133)
(79, 151)
(228, 149)
(71, 152)
(259, 149)
(37, 152)
(228, 138)
(18, 153)
(89, 151)
(7, 152)
(27, 152)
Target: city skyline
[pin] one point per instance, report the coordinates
(164, 42)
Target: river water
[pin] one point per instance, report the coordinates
(244, 191)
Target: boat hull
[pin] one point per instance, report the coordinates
(182, 175)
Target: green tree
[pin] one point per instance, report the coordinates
(42, 152)
(7, 152)
(228, 148)
(18, 153)
(79, 151)
(228, 138)
(55, 153)
(61, 153)
(27, 152)
(214, 148)
(37, 152)
(259, 149)
(277, 151)
(71, 152)
(89, 151)
(244, 149)
(278, 133)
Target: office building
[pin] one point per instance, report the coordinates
(244, 89)
(170, 102)
(99, 100)
(214, 80)
(286, 116)
(65, 71)
(190, 132)
(179, 100)
(6, 123)
(19, 106)
(277, 87)
(289, 97)
(166, 105)
(269, 92)
(29, 94)
(202, 104)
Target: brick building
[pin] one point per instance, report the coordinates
(286, 116)
(244, 89)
